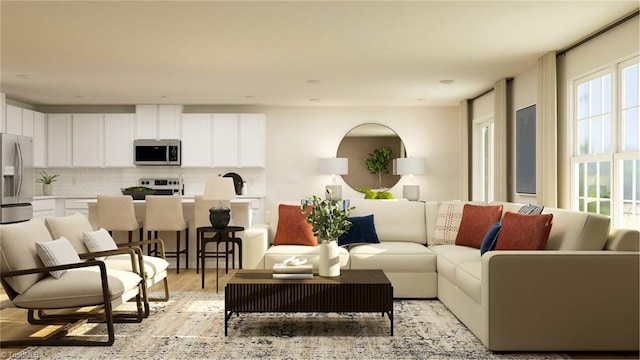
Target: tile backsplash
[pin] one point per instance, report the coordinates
(94, 181)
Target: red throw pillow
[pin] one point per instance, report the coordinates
(524, 232)
(293, 228)
(476, 220)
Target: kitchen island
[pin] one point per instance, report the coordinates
(241, 215)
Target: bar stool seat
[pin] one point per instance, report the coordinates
(164, 213)
(116, 213)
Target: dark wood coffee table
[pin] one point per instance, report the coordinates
(352, 291)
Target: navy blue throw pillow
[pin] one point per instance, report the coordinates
(362, 231)
(489, 241)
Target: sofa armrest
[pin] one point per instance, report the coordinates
(255, 242)
(561, 300)
(623, 240)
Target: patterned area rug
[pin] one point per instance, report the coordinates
(191, 326)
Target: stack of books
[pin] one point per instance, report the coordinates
(282, 271)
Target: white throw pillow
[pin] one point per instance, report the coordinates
(57, 252)
(447, 222)
(99, 240)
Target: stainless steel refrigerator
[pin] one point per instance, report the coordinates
(16, 172)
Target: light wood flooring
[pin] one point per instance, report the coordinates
(13, 322)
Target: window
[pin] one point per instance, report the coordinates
(483, 160)
(606, 154)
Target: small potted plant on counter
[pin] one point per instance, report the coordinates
(47, 182)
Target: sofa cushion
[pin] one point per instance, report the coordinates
(476, 220)
(18, 250)
(57, 252)
(293, 228)
(152, 265)
(450, 256)
(277, 254)
(468, 278)
(395, 220)
(447, 222)
(524, 232)
(362, 231)
(79, 287)
(490, 238)
(395, 257)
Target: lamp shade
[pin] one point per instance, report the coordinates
(337, 166)
(219, 188)
(408, 166)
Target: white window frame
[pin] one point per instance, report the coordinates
(615, 156)
(483, 155)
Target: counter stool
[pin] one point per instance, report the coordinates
(201, 218)
(164, 213)
(116, 213)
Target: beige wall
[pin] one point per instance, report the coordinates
(297, 137)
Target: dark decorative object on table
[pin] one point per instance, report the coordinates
(138, 192)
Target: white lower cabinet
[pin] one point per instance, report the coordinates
(43, 208)
(76, 205)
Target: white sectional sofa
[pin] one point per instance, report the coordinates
(580, 294)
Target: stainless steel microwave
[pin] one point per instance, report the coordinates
(157, 152)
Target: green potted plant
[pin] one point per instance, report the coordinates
(328, 219)
(378, 161)
(47, 182)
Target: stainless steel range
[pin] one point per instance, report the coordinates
(167, 186)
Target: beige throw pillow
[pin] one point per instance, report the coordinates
(57, 252)
(447, 222)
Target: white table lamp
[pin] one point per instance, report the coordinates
(334, 166)
(221, 189)
(409, 166)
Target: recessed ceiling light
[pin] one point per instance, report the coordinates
(447, 82)
(24, 76)
(313, 82)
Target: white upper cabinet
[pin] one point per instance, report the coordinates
(225, 140)
(14, 120)
(251, 140)
(59, 140)
(119, 130)
(146, 116)
(196, 140)
(158, 121)
(39, 140)
(88, 140)
(27, 122)
(169, 121)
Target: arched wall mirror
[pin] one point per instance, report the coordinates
(358, 144)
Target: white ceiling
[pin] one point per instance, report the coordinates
(362, 53)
